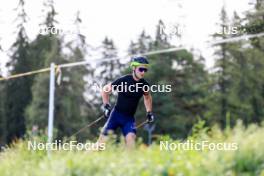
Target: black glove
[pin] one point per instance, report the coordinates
(107, 110)
(150, 117)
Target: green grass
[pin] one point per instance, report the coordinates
(146, 161)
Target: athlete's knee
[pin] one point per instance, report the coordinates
(130, 140)
(130, 137)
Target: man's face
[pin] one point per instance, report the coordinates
(140, 71)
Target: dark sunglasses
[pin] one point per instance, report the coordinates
(141, 69)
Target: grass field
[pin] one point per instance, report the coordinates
(247, 160)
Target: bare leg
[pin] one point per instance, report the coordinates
(102, 139)
(130, 140)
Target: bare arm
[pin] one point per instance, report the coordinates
(148, 101)
(107, 89)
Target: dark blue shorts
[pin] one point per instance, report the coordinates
(116, 119)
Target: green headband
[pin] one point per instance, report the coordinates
(138, 64)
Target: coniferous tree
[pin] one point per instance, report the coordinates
(108, 70)
(3, 130)
(222, 79)
(254, 25)
(71, 109)
(47, 48)
(18, 94)
(77, 110)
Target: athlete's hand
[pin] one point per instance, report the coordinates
(150, 117)
(107, 110)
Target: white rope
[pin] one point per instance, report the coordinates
(107, 59)
(85, 62)
(234, 39)
(228, 40)
(164, 51)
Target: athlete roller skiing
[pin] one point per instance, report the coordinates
(122, 114)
